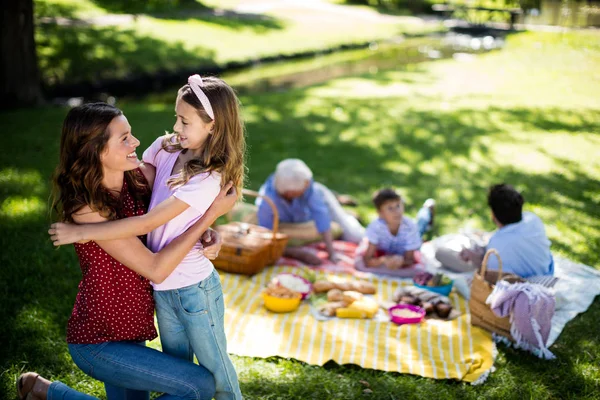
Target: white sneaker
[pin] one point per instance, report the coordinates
(429, 203)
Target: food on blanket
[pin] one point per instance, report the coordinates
(350, 296)
(323, 286)
(409, 300)
(357, 286)
(422, 278)
(363, 308)
(345, 312)
(438, 283)
(335, 295)
(427, 279)
(307, 274)
(281, 304)
(443, 309)
(276, 290)
(364, 287)
(405, 313)
(293, 282)
(434, 304)
(344, 286)
(366, 304)
(428, 307)
(329, 309)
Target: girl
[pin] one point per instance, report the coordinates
(206, 149)
(99, 179)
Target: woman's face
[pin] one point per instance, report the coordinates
(119, 153)
(192, 132)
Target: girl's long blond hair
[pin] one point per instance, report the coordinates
(225, 148)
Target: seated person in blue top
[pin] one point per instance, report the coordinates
(520, 238)
(393, 237)
(306, 210)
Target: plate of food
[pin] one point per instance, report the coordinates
(438, 283)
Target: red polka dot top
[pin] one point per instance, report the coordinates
(113, 303)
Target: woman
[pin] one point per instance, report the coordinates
(99, 178)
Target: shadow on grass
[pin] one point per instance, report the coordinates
(75, 54)
(170, 10)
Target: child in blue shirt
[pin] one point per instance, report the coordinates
(393, 237)
(520, 238)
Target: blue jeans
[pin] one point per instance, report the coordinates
(130, 370)
(191, 321)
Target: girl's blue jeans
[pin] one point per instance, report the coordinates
(131, 370)
(191, 321)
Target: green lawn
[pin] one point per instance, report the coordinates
(528, 115)
(196, 38)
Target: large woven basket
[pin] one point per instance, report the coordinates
(248, 248)
(483, 284)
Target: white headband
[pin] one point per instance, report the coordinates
(195, 82)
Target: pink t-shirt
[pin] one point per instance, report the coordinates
(200, 191)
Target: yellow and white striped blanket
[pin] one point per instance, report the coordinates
(433, 349)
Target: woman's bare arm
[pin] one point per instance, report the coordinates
(132, 253)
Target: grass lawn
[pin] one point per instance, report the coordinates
(115, 46)
(528, 115)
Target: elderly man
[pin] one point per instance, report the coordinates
(306, 209)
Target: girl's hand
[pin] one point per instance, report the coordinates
(224, 201)
(212, 241)
(65, 233)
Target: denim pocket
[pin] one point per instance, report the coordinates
(191, 301)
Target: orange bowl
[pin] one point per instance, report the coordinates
(281, 305)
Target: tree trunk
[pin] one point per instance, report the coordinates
(19, 75)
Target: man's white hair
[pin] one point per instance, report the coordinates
(292, 174)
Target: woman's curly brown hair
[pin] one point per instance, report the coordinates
(78, 177)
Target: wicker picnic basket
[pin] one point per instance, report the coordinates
(248, 248)
(483, 284)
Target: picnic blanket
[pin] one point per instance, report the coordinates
(575, 285)
(346, 251)
(435, 349)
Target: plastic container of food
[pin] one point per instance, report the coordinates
(280, 304)
(443, 290)
(412, 314)
(296, 283)
(421, 280)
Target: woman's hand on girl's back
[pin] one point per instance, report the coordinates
(65, 233)
(225, 201)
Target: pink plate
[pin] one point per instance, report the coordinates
(405, 320)
(310, 286)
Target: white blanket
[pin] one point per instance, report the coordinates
(575, 289)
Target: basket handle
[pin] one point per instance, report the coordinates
(252, 193)
(485, 261)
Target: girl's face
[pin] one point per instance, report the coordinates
(119, 153)
(189, 127)
(392, 211)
